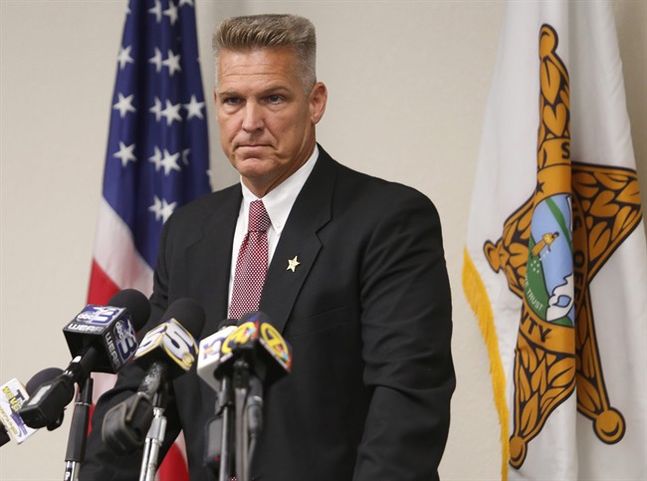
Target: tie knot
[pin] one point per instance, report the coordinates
(259, 221)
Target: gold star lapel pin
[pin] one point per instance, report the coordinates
(293, 263)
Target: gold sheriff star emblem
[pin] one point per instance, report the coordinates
(552, 359)
(293, 264)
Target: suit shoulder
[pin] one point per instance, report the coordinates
(204, 206)
(385, 195)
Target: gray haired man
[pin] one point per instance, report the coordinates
(354, 279)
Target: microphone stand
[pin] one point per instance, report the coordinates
(226, 402)
(241, 387)
(219, 433)
(155, 436)
(75, 453)
(254, 417)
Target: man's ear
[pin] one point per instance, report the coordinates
(318, 99)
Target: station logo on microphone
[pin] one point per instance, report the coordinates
(12, 396)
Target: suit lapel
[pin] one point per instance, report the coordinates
(211, 256)
(311, 211)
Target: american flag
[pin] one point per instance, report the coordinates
(157, 155)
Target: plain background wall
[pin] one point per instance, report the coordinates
(408, 82)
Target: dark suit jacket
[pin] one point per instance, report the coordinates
(368, 314)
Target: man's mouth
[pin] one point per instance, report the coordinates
(251, 145)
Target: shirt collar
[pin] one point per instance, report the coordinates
(278, 202)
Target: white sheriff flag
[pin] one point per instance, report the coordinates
(556, 261)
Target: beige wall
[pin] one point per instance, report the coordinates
(407, 81)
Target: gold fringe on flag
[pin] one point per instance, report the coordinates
(478, 300)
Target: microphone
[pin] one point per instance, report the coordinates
(259, 343)
(101, 339)
(166, 352)
(12, 396)
(248, 355)
(265, 349)
(209, 353)
(216, 430)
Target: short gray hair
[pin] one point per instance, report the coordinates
(271, 31)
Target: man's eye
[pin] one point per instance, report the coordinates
(274, 99)
(231, 101)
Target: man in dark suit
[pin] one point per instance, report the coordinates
(355, 281)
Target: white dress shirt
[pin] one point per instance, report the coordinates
(278, 204)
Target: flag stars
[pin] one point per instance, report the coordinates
(156, 159)
(124, 57)
(162, 209)
(157, 11)
(194, 108)
(169, 162)
(186, 2)
(171, 112)
(156, 60)
(125, 154)
(171, 13)
(185, 156)
(124, 104)
(172, 62)
(156, 109)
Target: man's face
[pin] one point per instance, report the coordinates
(266, 118)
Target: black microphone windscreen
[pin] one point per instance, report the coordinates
(135, 303)
(41, 377)
(188, 313)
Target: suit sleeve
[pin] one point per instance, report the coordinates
(101, 464)
(406, 334)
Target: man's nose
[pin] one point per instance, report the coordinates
(252, 117)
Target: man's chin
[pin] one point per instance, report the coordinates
(253, 166)
(252, 162)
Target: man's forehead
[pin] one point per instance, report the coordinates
(239, 88)
(270, 80)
